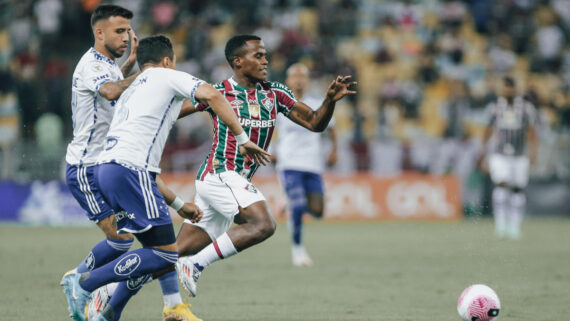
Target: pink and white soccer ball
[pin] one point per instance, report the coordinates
(478, 303)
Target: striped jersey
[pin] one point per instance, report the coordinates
(92, 113)
(257, 113)
(510, 123)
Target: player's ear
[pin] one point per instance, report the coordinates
(166, 62)
(237, 62)
(98, 33)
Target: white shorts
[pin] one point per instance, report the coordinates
(220, 196)
(512, 170)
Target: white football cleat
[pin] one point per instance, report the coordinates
(300, 256)
(188, 273)
(99, 300)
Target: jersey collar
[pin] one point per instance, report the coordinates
(235, 84)
(101, 56)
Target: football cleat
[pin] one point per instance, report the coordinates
(179, 312)
(99, 300)
(188, 273)
(76, 297)
(300, 256)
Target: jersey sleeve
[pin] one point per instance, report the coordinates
(184, 84)
(95, 74)
(285, 98)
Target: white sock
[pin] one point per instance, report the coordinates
(516, 213)
(221, 248)
(500, 207)
(171, 300)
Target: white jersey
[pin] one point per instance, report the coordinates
(299, 148)
(92, 113)
(144, 116)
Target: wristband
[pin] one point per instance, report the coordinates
(177, 204)
(242, 138)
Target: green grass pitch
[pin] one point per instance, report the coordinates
(363, 271)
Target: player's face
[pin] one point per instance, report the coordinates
(297, 79)
(509, 92)
(254, 62)
(114, 32)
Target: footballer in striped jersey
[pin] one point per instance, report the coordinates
(511, 122)
(223, 188)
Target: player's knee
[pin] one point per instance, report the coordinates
(264, 230)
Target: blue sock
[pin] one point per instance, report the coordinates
(169, 283)
(104, 252)
(297, 223)
(130, 265)
(124, 292)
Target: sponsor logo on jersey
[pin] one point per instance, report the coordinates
(237, 103)
(111, 142)
(124, 215)
(251, 188)
(96, 68)
(90, 261)
(257, 123)
(233, 92)
(133, 284)
(216, 163)
(127, 264)
(254, 110)
(268, 103)
(101, 77)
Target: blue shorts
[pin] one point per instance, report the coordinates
(298, 184)
(82, 184)
(134, 196)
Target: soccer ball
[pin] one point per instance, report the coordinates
(478, 303)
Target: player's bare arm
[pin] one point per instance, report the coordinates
(318, 120)
(209, 95)
(487, 134)
(187, 109)
(332, 158)
(132, 60)
(113, 89)
(188, 210)
(532, 143)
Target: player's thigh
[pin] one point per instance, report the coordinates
(314, 187)
(294, 186)
(520, 172)
(256, 214)
(195, 236)
(135, 198)
(84, 188)
(499, 168)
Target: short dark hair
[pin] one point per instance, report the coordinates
(105, 11)
(509, 81)
(152, 49)
(234, 46)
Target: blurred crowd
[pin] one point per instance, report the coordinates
(426, 71)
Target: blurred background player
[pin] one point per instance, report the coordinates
(223, 188)
(97, 83)
(127, 171)
(511, 121)
(300, 162)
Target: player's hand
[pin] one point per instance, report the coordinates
(134, 44)
(332, 159)
(340, 88)
(191, 211)
(255, 152)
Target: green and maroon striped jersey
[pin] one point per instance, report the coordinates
(257, 113)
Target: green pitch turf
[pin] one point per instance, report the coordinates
(363, 271)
